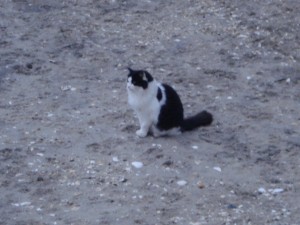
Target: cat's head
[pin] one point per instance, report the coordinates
(138, 79)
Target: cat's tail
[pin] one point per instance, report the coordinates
(203, 118)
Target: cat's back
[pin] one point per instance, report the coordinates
(171, 95)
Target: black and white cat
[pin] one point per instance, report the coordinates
(158, 107)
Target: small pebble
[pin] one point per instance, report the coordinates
(231, 206)
(156, 145)
(39, 179)
(22, 204)
(67, 88)
(261, 190)
(276, 191)
(218, 169)
(201, 185)
(115, 159)
(195, 147)
(123, 180)
(181, 182)
(29, 66)
(137, 165)
(49, 114)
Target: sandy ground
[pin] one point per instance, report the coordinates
(68, 149)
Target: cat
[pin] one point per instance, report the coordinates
(158, 107)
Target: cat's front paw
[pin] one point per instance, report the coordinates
(141, 133)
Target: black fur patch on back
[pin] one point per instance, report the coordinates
(159, 95)
(171, 113)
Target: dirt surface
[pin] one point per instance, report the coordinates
(68, 149)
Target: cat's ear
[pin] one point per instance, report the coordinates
(148, 77)
(130, 70)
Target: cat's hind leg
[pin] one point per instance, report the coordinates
(159, 133)
(155, 131)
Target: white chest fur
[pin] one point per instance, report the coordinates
(146, 105)
(139, 98)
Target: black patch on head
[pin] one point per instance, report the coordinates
(140, 78)
(159, 95)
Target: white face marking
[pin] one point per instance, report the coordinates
(129, 80)
(144, 77)
(130, 86)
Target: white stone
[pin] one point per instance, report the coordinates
(217, 169)
(137, 165)
(276, 190)
(181, 182)
(115, 159)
